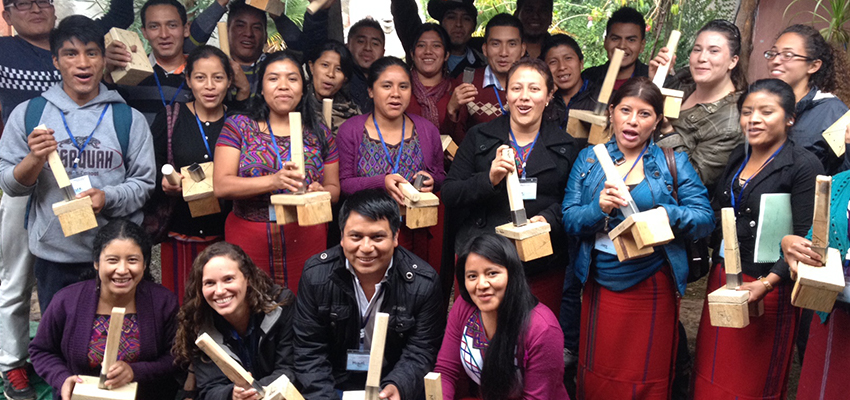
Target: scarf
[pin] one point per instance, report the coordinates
(429, 96)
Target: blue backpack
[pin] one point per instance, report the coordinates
(122, 119)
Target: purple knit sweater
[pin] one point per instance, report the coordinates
(61, 345)
(348, 144)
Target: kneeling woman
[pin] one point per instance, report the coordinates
(630, 309)
(498, 333)
(243, 311)
(757, 358)
(72, 335)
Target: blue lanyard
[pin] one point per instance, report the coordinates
(737, 199)
(274, 146)
(162, 95)
(82, 148)
(499, 99)
(642, 152)
(522, 160)
(384, 144)
(204, 135)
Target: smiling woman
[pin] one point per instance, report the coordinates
(71, 337)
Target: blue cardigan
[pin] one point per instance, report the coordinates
(691, 218)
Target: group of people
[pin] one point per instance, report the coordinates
(301, 301)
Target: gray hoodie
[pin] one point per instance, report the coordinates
(127, 181)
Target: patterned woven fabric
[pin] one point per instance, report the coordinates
(258, 159)
(128, 349)
(373, 160)
(473, 345)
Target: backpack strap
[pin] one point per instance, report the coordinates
(33, 115)
(122, 119)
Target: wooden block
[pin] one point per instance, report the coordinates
(286, 214)
(449, 145)
(88, 390)
(327, 112)
(731, 249)
(426, 199)
(834, 135)
(820, 219)
(817, 287)
(652, 228)
(172, 176)
(290, 199)
(205, 206)
(232, 369)
(627, 249)
(598, 135)
(113, 340)
(282, 389)
(585, 124)
(661, 72)
(312, 208)
(512, 183)
(611, 76)
(198, 190)
(532, 239)
(75, 216)
(409, 192)
(296, 141)
(223, 38)
(433, 386)
(756, 309)
(354, 395)
(421, 217)
(672, 102)
(314, 213)
(577, 128)
(728, 308)
(273, 7)
(139, 67)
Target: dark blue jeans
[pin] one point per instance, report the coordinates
(52, 276)
(570, 317)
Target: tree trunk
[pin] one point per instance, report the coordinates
(746, 20)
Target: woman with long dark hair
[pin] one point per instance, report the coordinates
(757, 357)
(329, 68)
(504, 340)
(389, 146)
(72, 334)
(707, 128)
(430, 83)
(802, 58)
(629, 318)
(182, 137)
(242, 310)
(252, 162)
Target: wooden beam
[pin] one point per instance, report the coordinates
(223, 38)
(376, 356)
(512, 183)
(611, 76)
(817, 287)
(662, 71)
(232, 369)
(820, 219)
(327, 112)
(731, 249)
(433, 386)
(296, 141)
(139, 66)
(113, 341)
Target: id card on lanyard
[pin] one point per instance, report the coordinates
(528, 186)
(358, 360)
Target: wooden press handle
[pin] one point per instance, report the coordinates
(661, 72)
(611, 76)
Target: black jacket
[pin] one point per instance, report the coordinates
(272, 359)
(816, 112)
(327, 325)
(468, 185)
(792, 171)
(597, 74)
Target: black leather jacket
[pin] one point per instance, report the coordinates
(327, 325)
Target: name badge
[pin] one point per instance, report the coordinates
(604, 244)
(357, 361)
(81, 184)
(272, 215)
(528, 187)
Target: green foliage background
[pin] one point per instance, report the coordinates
(582, 19)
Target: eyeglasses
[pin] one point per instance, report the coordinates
(785, 55)
(27, 5)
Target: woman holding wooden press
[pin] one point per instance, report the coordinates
(244, 312)
(252, 162)
(543, 156)
(772, 170)
(828, 350)
(498, 335)
(630, 308)
(72, 335)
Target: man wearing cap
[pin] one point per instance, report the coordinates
(458, 17)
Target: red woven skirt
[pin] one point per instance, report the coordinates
(628, 340)
(280, 250)
(827, 361)
(178, 252)
(746, 363)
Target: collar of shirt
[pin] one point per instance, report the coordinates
(491, 80)
(178, 70)
(470, 55)
(364, 304)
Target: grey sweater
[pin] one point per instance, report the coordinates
(126, 180)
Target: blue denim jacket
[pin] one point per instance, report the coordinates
(691, 218)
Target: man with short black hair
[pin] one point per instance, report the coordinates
(366, 43)
(536, 16)
(341, 291)
(484, 99)
(458, 17)
(26, 71)
(626, 30)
